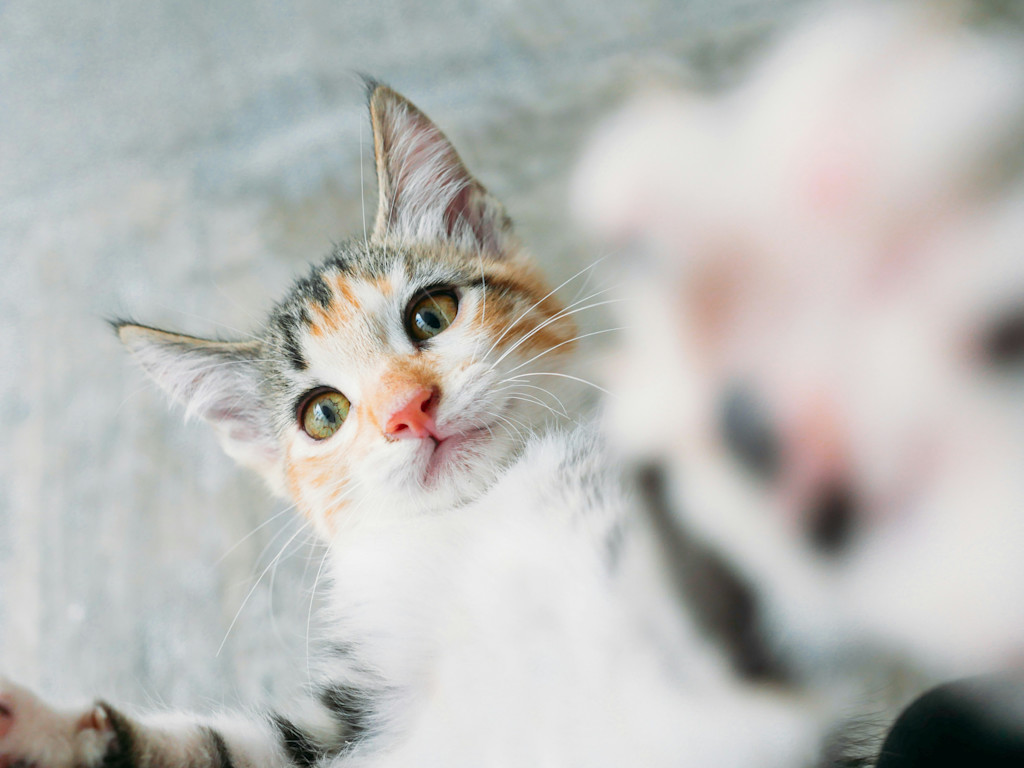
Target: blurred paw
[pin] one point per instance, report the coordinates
(35, 735)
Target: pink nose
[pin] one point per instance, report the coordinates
(414, 419)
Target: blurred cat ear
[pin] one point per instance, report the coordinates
(425, 192)
(216, 381)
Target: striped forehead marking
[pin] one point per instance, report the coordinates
(288, 323)
(334, 294)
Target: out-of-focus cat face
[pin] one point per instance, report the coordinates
(397, 377)
(831, 303)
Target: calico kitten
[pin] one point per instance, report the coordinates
(394, 383)
(831, 258)
(493, 601)
(400, 374)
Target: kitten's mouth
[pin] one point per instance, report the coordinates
(447, 451)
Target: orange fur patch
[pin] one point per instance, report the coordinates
(344, 306)
(341, 285)
(318, 485)
(403, 376)
(517, 310)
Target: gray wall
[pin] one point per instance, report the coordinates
(178, 161)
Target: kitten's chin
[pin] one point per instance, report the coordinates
(452, 456)
(457, 469)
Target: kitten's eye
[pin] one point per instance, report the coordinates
(748, 432)
(430, 314)
(322, 413)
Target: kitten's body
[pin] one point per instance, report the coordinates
(524, 628)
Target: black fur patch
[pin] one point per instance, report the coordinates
(341, 649)
(301, 749)
(351, 706)
(288, 325)
(314, 289)
(354, 258)
(122, 750)
(720, 600)
(499, 285)
(851, 744)
(220, 749)
(340, 261)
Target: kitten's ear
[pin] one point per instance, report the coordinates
(217, 381)
(425, 192)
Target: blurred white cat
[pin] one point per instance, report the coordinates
(824, 351)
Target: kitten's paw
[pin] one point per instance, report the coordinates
(35, 735)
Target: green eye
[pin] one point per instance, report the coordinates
(322, 413)
(431, 313)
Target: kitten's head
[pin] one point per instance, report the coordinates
(831, 313)
(394, 378)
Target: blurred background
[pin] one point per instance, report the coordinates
(178, 162)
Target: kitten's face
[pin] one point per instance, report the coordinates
(834, 304)
(416, 341)
(399, 375)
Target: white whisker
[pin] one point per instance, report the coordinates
(309, 613)
(550, 293)
(554, 318)
(251, 533)
(254, 586)
(541, 403)
(564, 376)
(567, 341)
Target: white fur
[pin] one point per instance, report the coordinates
(516, 645)
(503, 634)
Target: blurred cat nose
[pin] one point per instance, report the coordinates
(415, 417)
(832, 519)
(816, 481)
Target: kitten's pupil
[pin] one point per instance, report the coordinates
(323, 413)
(428, 321)
(327, 413)
(431, 313)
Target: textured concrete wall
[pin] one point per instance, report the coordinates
(178, 161)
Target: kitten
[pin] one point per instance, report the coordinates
(493, 601)
(435, 328)
(831, 289)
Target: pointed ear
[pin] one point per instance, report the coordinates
(425, 192)
(217, 381)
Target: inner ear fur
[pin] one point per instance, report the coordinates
(218, 381)
(425, 193)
